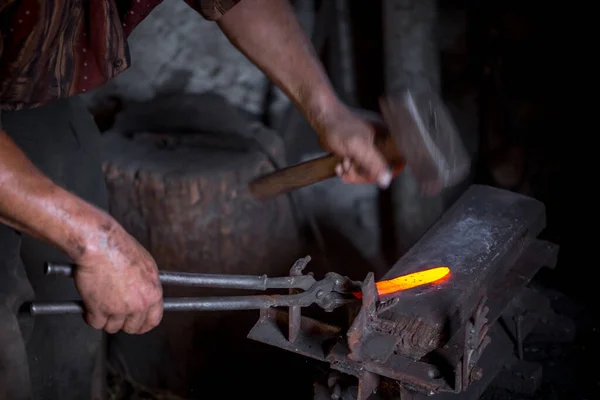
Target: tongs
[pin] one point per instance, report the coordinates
(333, 291)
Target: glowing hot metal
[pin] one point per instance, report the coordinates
(410, 281)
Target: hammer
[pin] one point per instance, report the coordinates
(416, 133)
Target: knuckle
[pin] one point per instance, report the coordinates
(154, 320)
(130, 330)
(373, 161)
(153, 273)
(151, 299)
(95, 323)
(156, 296)
(356, 142)
(133, 324)
(112, 328)
(145, 328)
(119, 310)
(140, 306)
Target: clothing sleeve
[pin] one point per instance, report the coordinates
(212, 10)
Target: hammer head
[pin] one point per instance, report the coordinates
(426, 138)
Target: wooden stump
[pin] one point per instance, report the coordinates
(184, 197)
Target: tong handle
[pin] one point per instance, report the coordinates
(228, 303)
(314, 292)
(173, 304)
(223, 281)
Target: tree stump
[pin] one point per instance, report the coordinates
(184, 197)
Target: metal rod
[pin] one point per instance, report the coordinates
(295, 313)
(519, 334)
(224, 281)
(189, 304)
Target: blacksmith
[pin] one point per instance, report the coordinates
(52, 195)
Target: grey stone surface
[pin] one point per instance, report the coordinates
(175, 49)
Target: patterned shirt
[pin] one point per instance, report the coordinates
(51, 49)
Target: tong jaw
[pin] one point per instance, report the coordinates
(336, 290)
(333, 291)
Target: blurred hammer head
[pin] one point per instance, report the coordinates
(426, 138)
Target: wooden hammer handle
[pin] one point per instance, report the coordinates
(294, 177)
(312, 171)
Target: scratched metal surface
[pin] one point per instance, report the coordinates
(478, 235)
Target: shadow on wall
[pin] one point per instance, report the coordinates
(171, 108)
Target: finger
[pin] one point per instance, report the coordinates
(114, 323)
(350, 174)
(153, 318)
(134, 322)
(346, 164)
(95, 320)
(355, 179)
(354, 175)
(343, 167)
(368, 158)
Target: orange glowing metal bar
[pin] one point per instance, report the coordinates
(410, 281)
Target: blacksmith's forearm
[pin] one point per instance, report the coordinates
(268, 33)
(30, 202)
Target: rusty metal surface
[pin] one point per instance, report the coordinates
(311, 340)
(370, 348)
(453, 369)
(295, 311)
(482, 233)
(361, 334)
(504, 287)
(531, 306)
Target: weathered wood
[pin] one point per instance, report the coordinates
(189, 206)
(184, 197)
(481, 234)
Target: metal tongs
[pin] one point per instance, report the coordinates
(331, 292)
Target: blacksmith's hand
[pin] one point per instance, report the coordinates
(119, 283)
(344, 133)
(117, 279)
(269, 34)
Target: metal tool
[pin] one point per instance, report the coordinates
(329, 293)
(416, 131)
